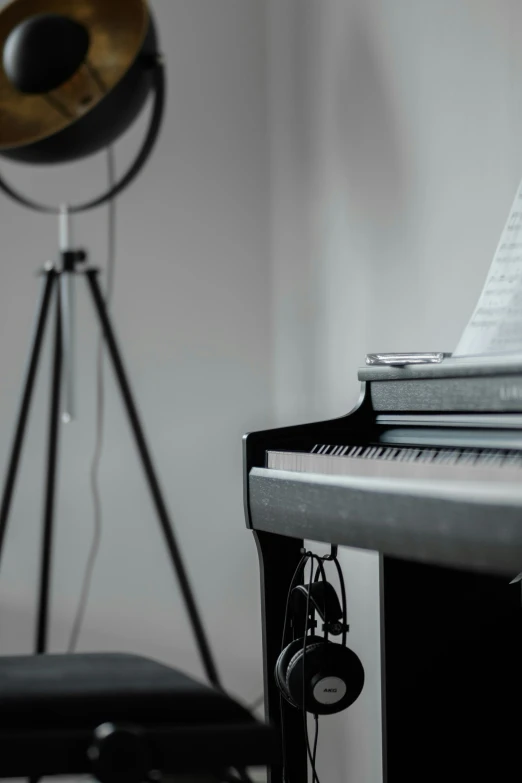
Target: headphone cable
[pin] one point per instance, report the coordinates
(343, 598)
(311, 753)
(316, 738)
(320, 569)
(100, 420)
(311, 756)
(306, 556)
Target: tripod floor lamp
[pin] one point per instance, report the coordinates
(74, 76)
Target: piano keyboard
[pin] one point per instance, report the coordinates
(457, 464)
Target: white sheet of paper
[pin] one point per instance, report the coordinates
(496, 324)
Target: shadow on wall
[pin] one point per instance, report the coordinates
(377, 171)
(368, 135)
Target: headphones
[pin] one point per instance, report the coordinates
(313, 673)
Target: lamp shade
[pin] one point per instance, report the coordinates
(74, 74)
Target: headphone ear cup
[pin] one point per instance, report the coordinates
(333, 677)
(281, 667)
(293, 671)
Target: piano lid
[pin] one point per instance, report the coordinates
(460, 385)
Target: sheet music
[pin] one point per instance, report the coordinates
(496, 324)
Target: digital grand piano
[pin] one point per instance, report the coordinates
(427, 471)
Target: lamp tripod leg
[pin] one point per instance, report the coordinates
(50, 486)
(148, 467)
(26, 398)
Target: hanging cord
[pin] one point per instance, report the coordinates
(305, 642)
(333, 559)
(316, 739)
(100, 418)
(311, 755)
(343, 598)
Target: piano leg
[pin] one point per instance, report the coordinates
(278, 559)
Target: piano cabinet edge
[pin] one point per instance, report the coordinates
(278, 559)
(255, 444)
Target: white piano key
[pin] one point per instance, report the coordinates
(403, 469)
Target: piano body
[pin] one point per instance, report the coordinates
(427, 471)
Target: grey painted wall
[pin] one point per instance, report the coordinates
(191, 303)
(375, 180)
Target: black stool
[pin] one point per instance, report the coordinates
(122, 718)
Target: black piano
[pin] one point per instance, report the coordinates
(427, 471)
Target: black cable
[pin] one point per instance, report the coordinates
(100, 419)
(302, 563)
(320, 571)
(313, 557)
(316, 739)
(297, 571)
(312, 754)
(343, 598)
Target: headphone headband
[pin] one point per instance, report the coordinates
(323, 599)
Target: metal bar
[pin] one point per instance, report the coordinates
(25, 404)
(67, 294)
(157, 496)
(50, 487)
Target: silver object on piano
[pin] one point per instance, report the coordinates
(403, 359)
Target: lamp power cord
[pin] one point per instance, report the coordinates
(100, 419)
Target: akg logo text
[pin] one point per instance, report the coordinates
(508, 393)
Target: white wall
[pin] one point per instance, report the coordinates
(192, 296)
(395, 131)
